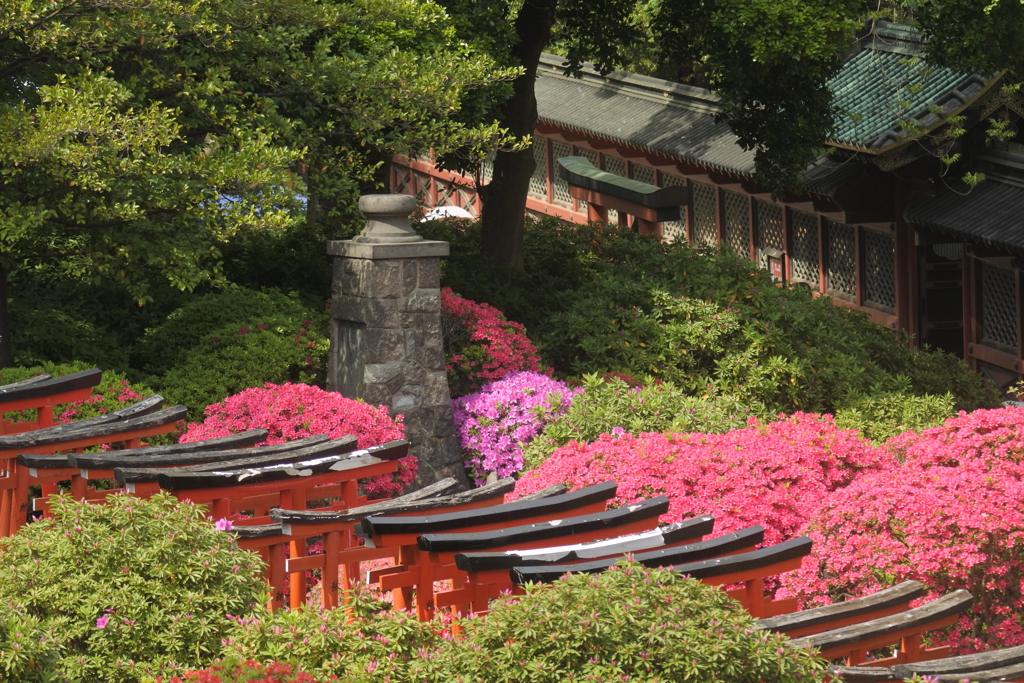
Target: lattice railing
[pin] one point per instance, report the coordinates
(737, 222)
(998, 307)
(403, 180)
(705, 221)
(673, 230)
(769, 230)
(842, 259)
(469, 200)
(422, 181)
(445, 192)
(880, 270)
(804, 254)
(559, 187)
(487, 168)
(539, 179)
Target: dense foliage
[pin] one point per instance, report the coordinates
(248, 671)
(496, 423)
(128, 124)
(946, 512)
(883, 416)
(358, 646)
(222, 343)
(601, 298)
(294, 411)
(480, 344)
(121, 591)
(627, 623)
(612, 406)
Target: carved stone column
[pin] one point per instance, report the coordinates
(386, 343)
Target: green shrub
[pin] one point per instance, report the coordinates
(166, 346)
(601, 298)
(628, 623)
(224, 343)
(240, 358)
(612, 406)
(129, 589)
(28, 653)
(53, 334)
(60, 319)
(882, 416)
(366, 646)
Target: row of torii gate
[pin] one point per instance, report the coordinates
(482, 544)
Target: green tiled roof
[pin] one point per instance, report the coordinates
(884, 83)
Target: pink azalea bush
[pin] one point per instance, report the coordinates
(481, 345)
(293, 411)
(495, 423)
(774, 474)
(949, 516)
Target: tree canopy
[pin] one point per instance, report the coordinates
(769, 61)
(128, 124)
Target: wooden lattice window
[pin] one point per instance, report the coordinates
(645, 174)
(769, 230)
(880, 270)
(705, 222)
(737, 222)
(804, 254)
(673, 230)
(539, 179)
(842, 260)
(559, 186)
(998, 307)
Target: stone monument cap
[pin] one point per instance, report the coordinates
(387, 219)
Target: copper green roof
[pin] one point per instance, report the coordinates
(887, 81)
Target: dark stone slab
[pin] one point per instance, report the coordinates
(506, 513)
(107, 430)
(304, 449)
(541, 531)
(109, 459)
(673, 533)
(981, 666)
(182, 481)
(901, 594)
(666, 557)
(919, 617)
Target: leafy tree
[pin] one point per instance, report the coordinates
(128, 123)
(768, 61)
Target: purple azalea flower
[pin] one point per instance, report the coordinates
(495, 423)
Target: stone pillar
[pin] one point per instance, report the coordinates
(386, 343)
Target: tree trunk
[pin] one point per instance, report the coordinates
(6, 341)
(504, 198)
